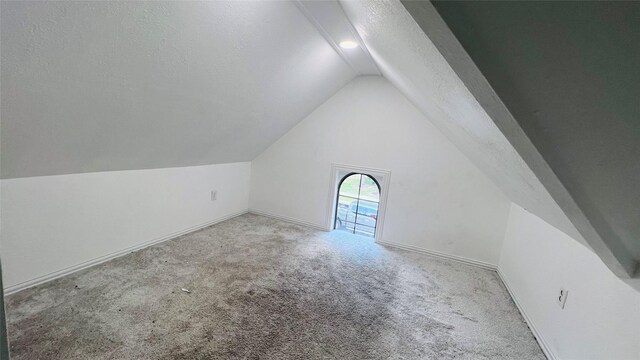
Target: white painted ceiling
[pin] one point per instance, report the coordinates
(96, 86)
(336, 27)
(408, 58)
(454, 95)
(572, 87)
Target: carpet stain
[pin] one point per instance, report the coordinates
(265, 289)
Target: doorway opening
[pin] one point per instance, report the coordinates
(357, 204)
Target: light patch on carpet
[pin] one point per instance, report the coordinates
(263, 288)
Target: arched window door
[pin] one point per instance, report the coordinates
(357, 205)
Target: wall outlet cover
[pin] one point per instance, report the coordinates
(562, 297)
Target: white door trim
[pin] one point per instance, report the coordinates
(383, 177)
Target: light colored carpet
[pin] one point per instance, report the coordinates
(262, 288)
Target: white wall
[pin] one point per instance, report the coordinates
(53, 223)
(407, 56)
(601, 318)
(438, 200)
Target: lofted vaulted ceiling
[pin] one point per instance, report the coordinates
(527, 91)
(569, 72)
(410, 60)
(96, 86)
(565, 177)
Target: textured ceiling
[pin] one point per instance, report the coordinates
(408, 58)
(569, 72)
(96, 86)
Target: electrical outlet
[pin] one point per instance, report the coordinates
(214, 195)
(562, 298)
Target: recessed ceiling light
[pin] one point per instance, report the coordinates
(348, 44)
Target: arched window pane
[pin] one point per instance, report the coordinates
(357, 205)
(350, 185)
(369, 189)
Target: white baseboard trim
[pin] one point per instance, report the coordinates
(439, 254)
(536, 333)
(83, 265)
(288, 219)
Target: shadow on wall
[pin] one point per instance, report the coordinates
(4, 345)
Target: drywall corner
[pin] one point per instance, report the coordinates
(602, 312)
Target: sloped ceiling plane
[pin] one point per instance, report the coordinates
(555, 127)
